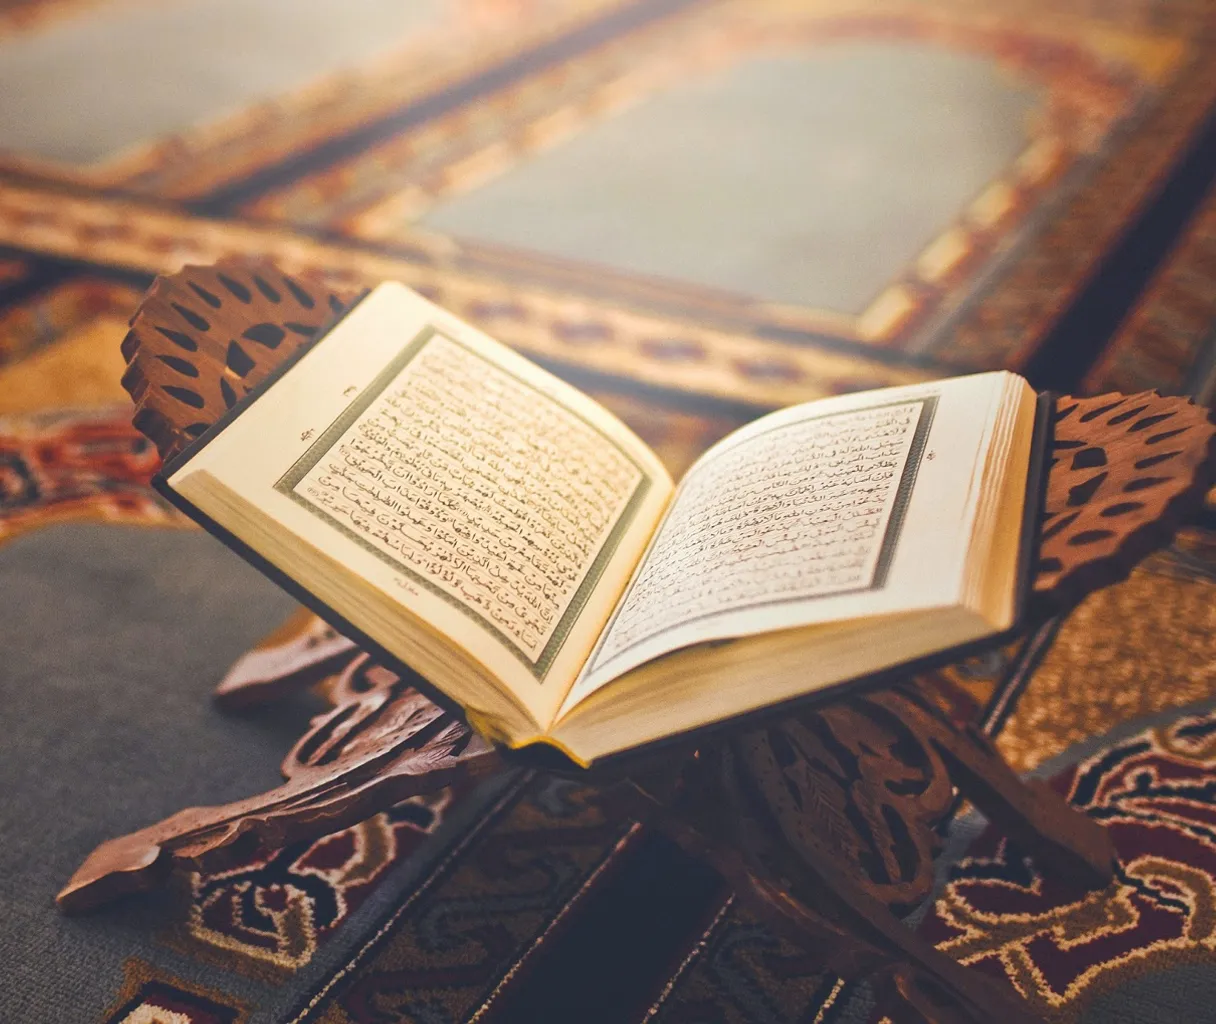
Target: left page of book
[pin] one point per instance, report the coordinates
(444, 478)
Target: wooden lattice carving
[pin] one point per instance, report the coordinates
(203, 338)
(381, 743)
(1126, 469)
(823, 822)
(853, 780)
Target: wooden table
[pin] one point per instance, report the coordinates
(823, 818)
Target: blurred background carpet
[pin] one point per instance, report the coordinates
(696, 210)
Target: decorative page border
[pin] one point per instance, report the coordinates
(286, 485)
(886, 554)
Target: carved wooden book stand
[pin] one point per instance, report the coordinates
(823, 818)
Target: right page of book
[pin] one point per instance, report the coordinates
(847, 507)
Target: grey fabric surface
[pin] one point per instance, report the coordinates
(1185, 993)
(113, 639)
(811, 178)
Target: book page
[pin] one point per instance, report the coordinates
(806, 516)
(497, 504)
(454, 473)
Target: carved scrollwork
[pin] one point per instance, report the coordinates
(1125, 469)
(856, 781)
(823, 822)
(383, 742)
(863, 782)
(205, 337)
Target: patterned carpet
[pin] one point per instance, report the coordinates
(697, 210)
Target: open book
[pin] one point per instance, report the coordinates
(440, 497)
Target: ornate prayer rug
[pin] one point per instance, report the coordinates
(497, 903)
(696, 210)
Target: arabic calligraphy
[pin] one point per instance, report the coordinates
(796, 512)
(479, 485)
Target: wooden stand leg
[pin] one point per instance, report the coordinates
(811, 893)
(382, 743)
(856, 936)
(1057, 835)
(909, 990)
